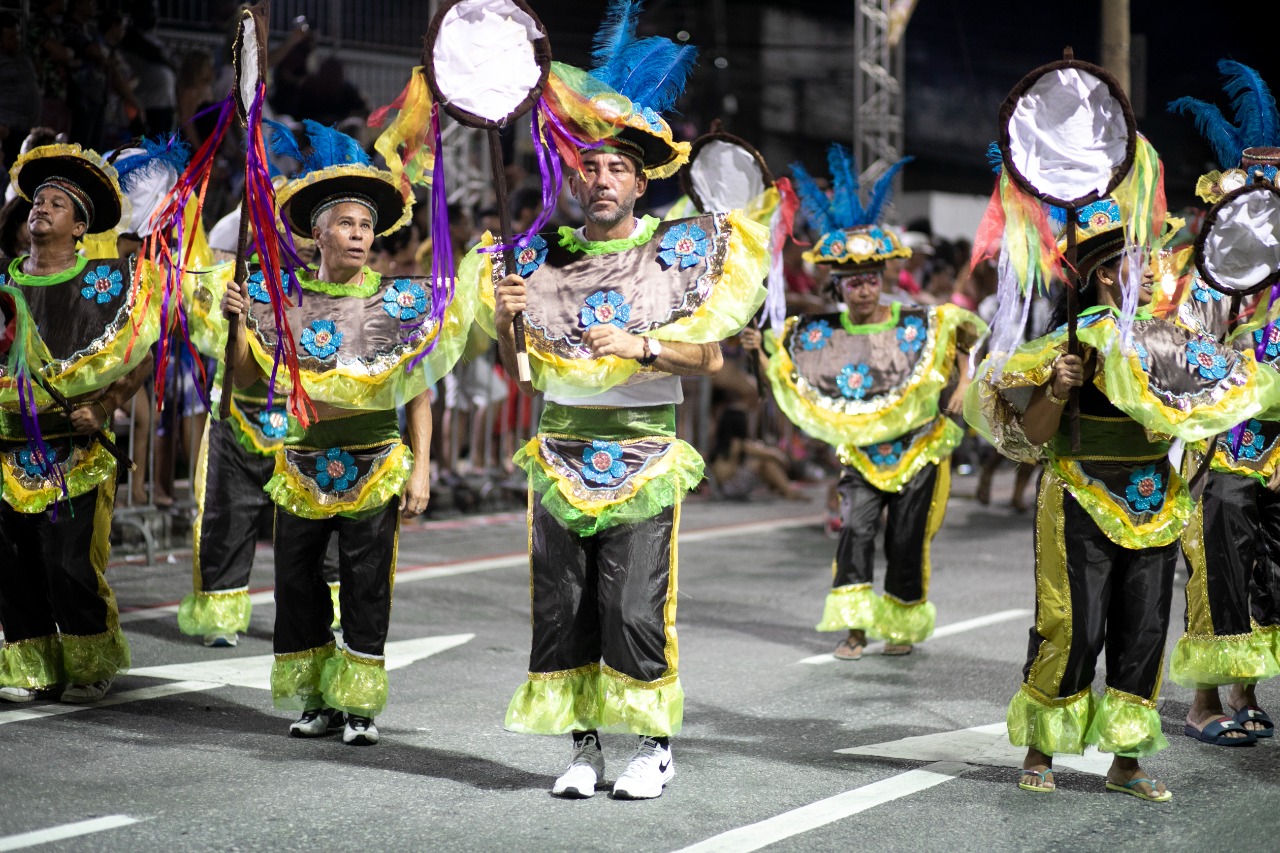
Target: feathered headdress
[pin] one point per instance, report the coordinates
(651, 73)
(1257, 121)
(851, 232)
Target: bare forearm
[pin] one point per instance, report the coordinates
(244, 370)
(1041, 420)
(683, 359)
(122, 390)
(418, 426)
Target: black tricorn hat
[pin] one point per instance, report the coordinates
(81, 174)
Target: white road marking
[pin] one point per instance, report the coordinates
(830, 810)
(944, 631)
(254, 671)
(413, 574)
(987, 745)
(67, 830)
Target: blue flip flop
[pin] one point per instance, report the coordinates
(1216, 731)
(1254, 714)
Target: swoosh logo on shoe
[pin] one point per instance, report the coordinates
(662, 767)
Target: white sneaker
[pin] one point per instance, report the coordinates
(221, 639)
(316, 723)
(83, 694)
(586, 769)
(360, 731)
(17, 694)
(650, 768)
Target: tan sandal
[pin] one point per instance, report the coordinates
(848, 649)
(894, 650)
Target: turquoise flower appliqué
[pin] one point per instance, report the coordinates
(257, 286)
(404, 299)
(853, 380)
(1252, 442)
(530, 257)
(336, 470)
(815, 335)
(1145, 492)
(321, 338)
(686, 244)
(603, 462)
(102, 284)
(1203, 292)
(1144, 357)
(1204, 357)
(274, 423)
(1271, 333)
(604, 308)
(886, 453)
(32, 462)
(911, 335)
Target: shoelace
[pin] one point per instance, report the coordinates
(649, 752)
(584, 749)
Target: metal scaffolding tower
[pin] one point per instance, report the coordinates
(877, 90)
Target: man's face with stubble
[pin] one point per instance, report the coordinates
(607, 187)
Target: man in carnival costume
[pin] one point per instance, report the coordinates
(359, 340)
(616, 312)
(1232, 545)
(1109, 515)
(869, 380)
(82, 327)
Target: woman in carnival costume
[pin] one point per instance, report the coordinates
(357, 341)
(869, 380)
(83, 328)
(1232, 545)
(615, 312)
(1108, 515)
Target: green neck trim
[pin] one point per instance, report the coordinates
(28, 280)
(895, 311)
(370, 284)
(570, 240)
(1144, 311)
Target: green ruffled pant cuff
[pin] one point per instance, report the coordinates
(295, 678)
(1052, 727)
(1202, 662)
(1126, 725)
(203, 613)
(599, 698)
(34, 663)
(905, 624)
(98, 657)
(1270, 635)
(851, 607)
(355, 684)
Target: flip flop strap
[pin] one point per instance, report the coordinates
(1133, 783)
(1041, 773)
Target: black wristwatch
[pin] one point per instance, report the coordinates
(652, 349)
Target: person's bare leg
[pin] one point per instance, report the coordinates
(1206, 706)
(1021, 477)
(989, 465)
(1241, 695)
(141, 409)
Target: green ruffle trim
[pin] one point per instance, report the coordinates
(295, 678)
(905, 624)
(1270, 635)
(595, 697)
(202, 294)
(1113, 519)
(203, 613)
(34, 663)
(851, 607)
(927, 450)
(664, 490)
(556, 706)
(354, 684)
(28, 280)
(1052, 728)
(570, 240)
(887, 416)
(96, 467)
(368, 285)
(94, 658)
(1202, 662)
(1126, 725)
(286, 489)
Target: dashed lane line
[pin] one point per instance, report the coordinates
(944, 631)
(67, 830)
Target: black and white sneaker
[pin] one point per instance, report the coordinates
(86, 694)
(317, 723)
(586, 769)
(360, 731)
(650, 768)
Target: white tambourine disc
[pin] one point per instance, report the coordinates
(725, 176)
(1240, 250)
(483, 57)
(250, 73)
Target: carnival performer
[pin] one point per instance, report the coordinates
(1108, 515)
(870, 379)
(83, 327)
(616, 312)
(1232, 544)
(359, 341)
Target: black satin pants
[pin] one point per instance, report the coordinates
(366, 571)
(905, 533)
(603, 597)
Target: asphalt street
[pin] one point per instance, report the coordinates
(783, 748)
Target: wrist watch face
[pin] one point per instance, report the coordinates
(655, 348)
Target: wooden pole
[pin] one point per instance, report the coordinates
(1073, 310)
(508, 253)
(1115, 41)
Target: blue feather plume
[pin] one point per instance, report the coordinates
(995, 158)
(169, 149)
(1221, 134)
(613, 41)
(881, 192)
(331, 147)
(846, 204)
(283, 142)
(813, 201)
(1254, 105)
